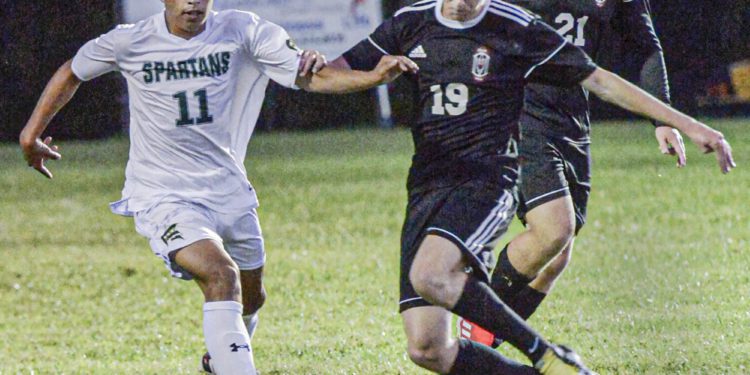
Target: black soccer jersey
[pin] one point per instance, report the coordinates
(589, 24)
(469, 90)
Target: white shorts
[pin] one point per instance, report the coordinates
(170, 226)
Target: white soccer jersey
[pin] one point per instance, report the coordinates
(193, 104)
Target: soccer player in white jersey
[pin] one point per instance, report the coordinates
(196, 81)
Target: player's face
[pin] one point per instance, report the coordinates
(187, 18)
(462, 10)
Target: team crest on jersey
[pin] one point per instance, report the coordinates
(293, 46)
(480, 68)
(600, 3)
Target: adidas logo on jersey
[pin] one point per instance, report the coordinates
(418, 53)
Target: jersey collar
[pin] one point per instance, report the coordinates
(458, 24)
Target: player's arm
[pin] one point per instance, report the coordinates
(60, 88)
(339, 79)
(611, 88)
(638, 34)
(93, 59)
(552, 60)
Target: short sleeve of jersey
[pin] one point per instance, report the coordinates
(96, 57)
(383, 41)
(550, 59)
(273, 50)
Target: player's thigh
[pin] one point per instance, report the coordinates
(427, 327)
(172, 226)
(438, 256)
(542, 176)
(474, 217)
(243, 240)
(475, 211)
(206, 260)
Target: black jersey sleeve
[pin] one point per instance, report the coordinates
(549, 59)
(383, 41)
(635, 26)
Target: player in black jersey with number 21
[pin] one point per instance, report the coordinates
(554, 151)
(475, 58)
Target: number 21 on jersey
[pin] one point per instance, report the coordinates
(452, 100)
(568, 23)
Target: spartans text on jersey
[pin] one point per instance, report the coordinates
(212, 65)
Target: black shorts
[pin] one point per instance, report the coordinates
(553, 166)
(472, 215)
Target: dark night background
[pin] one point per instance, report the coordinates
(700, 39)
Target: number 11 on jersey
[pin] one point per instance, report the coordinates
(185, 119)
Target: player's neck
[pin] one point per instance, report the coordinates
(460, 14)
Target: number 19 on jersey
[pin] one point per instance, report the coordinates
(452, 100)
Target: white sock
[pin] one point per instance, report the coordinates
(251, 322)
(226, 338)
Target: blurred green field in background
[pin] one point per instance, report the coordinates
(659, 284)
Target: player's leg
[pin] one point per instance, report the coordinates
(548, 228)
(431, 346)
(577, 170)
(186, 238)
(225, 332)
(547, 210)
(438, 274)
(243, 240)
(253, 297)
(447, 266)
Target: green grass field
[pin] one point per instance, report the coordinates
(660, 282)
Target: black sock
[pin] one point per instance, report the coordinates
(506, 280)
(526, 302)
(474, 358)
(479, 304)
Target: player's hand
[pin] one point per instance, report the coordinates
(391, 67)
(311, 62)
(37, 152)
(670, 143)
(709, 140)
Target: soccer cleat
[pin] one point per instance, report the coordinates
(560, 360)
(471, 331)
(206, 363)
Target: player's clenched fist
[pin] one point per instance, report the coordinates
(391, 67)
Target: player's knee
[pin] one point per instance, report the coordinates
(253, 302)
(428, 354)
(427, 283)
(554, 238)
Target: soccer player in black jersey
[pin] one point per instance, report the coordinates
(475, 58)
(554, 148)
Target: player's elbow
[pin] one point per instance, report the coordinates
(602, 83)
